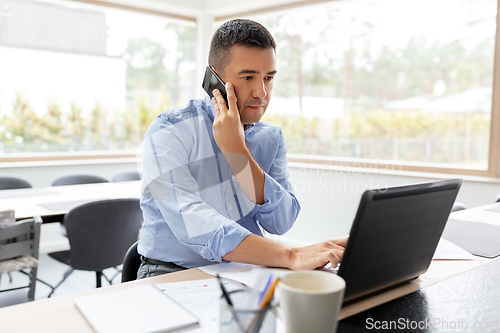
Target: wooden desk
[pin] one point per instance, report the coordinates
(59, 314)
(53, 202)
(473, 282)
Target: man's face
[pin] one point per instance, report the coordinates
(251, 71)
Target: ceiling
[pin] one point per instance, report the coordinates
(214, 8)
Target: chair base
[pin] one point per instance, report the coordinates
(66, 274)
(64, 257)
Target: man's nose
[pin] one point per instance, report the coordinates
(259, 90)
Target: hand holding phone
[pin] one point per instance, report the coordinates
(212, 81)
(228, 130)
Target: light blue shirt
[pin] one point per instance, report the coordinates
(194, 210)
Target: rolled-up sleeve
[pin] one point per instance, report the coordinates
(281, 208)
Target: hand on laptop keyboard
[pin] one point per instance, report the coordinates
(318, 255)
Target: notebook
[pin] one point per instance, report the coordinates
(139, 309)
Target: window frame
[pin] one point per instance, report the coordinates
(493, 169)
(492, 172)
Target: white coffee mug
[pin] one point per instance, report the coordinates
(310, 301)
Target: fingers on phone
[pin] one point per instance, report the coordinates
(218, 96)
(231, 96)
(216, 106)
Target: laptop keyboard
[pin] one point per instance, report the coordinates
(329, 268)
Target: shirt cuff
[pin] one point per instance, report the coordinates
(223, 241)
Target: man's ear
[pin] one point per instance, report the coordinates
(218, 74)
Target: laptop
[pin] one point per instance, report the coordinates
(394, 236)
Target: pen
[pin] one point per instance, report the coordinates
(224, 291)
(229, 302)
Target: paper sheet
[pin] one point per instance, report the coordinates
(202, 297)
(446, 250)
(487, 214)
(481, 239)
(238, 271)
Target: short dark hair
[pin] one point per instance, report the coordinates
(237, 32)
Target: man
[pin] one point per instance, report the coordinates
(214, 176)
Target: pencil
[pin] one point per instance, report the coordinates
(259, 317)
(269, 293)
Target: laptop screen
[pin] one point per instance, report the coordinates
(394, 235)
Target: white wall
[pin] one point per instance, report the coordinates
(329, 198)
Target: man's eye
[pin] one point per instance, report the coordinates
(270, 78)
(247, 77)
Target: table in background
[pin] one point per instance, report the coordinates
(51, 203)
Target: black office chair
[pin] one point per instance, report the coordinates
(99, 234)
(19, 244)
(78, 179)
(458, 206)
(10, 182)
(498, 198)
(131, 264)
(127, 176)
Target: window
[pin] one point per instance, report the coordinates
(401, 81)
(82, 78)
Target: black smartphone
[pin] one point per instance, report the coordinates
(212, 81)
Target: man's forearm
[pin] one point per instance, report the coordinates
(258, 250)
(248, 174)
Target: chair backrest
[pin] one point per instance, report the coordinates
(127, 176)
(458, 206)
(131, 264)
(13, 183)
(101, 232)
(20, 238)
(78, 179)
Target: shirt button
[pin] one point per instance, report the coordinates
(230, 208)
